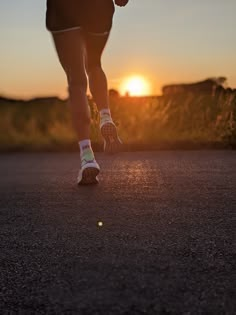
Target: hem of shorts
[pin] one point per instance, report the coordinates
(77, 28)
(99, 34)
(66, 30)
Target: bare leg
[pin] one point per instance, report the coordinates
(71, 52)
(98, 87)
(97, 79)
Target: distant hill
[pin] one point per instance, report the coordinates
(38, 100)
(207, 87)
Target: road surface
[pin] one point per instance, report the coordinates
(156, 236)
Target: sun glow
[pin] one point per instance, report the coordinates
(135, 86)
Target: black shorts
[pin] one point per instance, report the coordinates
(93, 16)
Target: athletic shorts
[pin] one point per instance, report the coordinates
(94, 16)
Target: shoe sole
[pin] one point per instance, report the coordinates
(112, 143)
(89, 176)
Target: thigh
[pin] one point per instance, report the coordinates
(97, 16)
(70, 47)
(94, 45)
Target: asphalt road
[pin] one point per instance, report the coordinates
(165, 243)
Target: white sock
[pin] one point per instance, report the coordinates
(105, 111)
(85, 144)
(105, 116)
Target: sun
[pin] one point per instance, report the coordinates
(135, 86)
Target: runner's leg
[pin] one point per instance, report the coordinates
(71, 52)
(95, 44)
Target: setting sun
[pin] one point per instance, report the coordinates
(135, 86)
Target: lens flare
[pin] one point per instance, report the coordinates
(100, 224)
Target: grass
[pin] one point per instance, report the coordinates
(180, 121)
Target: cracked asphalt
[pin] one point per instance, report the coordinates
(156, 236)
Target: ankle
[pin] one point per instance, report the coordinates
(85, 145)
(105, 116)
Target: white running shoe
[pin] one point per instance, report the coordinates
(112, 142)
(89, 169)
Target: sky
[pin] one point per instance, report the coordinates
(165, 41)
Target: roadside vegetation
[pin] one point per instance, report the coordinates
(177, 121)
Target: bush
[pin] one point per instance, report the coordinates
(45, 124)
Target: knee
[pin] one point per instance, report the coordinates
(77, 88)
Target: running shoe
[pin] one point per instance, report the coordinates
(112, 142)
(88, 174)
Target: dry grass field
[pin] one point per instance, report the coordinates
(178, 121)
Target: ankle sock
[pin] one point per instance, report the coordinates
(86, 151)
(105, 116)
(85, 144)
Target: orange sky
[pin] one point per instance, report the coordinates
(163, 41)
